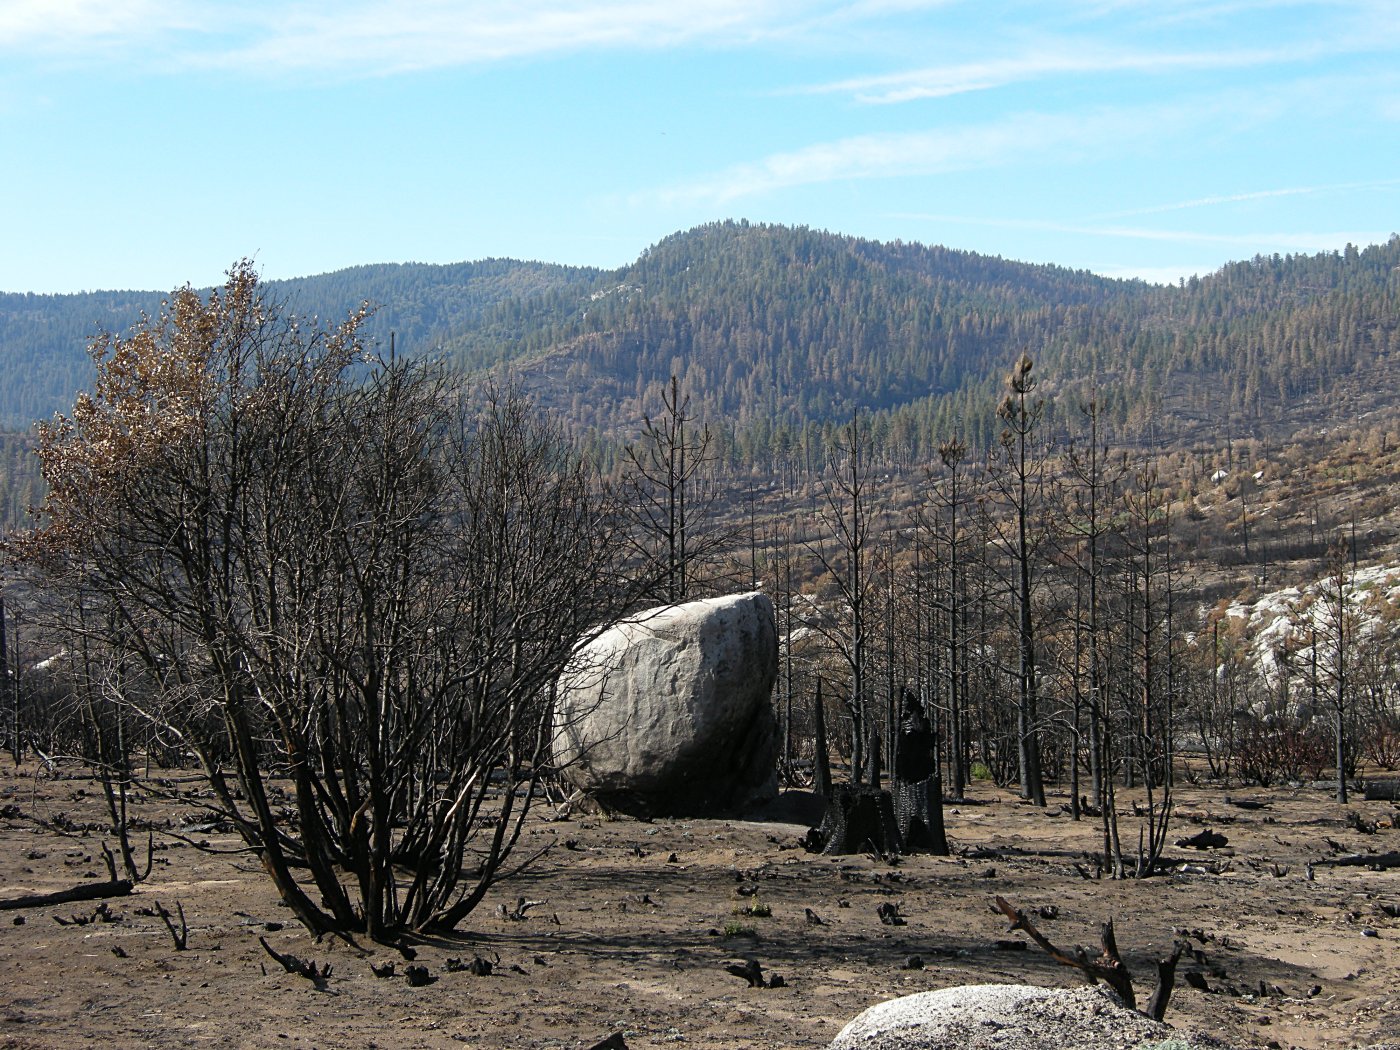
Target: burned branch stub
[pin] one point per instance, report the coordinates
(1109, 966)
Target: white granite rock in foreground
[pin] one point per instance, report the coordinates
(1006, 1017)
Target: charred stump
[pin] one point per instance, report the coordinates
(858, 819)
(862, 818)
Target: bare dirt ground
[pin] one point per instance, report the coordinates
(639, 921)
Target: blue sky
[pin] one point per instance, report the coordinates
(149, 143)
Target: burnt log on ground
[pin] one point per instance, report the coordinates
(858, 819)
(1387, 790)
(88, 891)
(1206, 839)
(1377, 861)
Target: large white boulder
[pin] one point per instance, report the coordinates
(1004, 1017)
(669, 712)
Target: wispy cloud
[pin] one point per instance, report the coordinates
(1254, 195)
(82, 25)
(372, 37)
(1214, 12)
(387, 37)
(1027, 139)
(1047, 61)
(1016, 138)
(1153, 14)
(375, 37)
(1135, 38)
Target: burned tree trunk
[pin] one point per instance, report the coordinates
(861, 818)
(822, 758)
(918, 809)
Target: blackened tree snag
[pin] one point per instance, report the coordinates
(918, 789)
(847, 516)
(1018, 476)
(822, 758)
(673, 504)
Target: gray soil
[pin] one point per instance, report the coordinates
(639, 922)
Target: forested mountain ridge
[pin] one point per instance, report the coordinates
(774, 327)
(926, 334)
(777, 331)
(475, 311)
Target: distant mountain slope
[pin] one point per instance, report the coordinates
(773, 326)
(42, 340)
(777, 330)
(475, 312)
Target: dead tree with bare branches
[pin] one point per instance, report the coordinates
(335, 571)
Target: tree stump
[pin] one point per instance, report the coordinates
(858, 819)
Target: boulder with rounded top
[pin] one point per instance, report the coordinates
(670, 711)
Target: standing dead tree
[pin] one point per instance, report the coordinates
(1089, 527)
(845, 556)
(1018, 477)
(9, 690)
(1148, 673)
(671, 502)
(950, 494)
(1339, 627)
